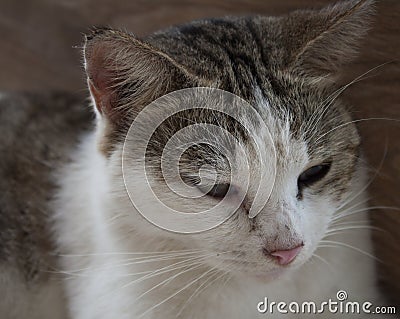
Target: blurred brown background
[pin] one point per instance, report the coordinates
(37, 53)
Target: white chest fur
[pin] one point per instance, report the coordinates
(112, 273)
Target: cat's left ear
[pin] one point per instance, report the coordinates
(125, 74)
(320, 42)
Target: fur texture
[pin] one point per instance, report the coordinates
(37, 133)
(284, 67)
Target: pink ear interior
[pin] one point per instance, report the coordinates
(125, 74)
(101, 79)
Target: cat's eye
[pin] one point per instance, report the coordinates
(217, 191)
(313, 175)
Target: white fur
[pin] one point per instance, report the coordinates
(98, 229)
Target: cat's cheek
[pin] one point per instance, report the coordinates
(316, 217)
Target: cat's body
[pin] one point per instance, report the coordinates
(118, 265)
(38, 133)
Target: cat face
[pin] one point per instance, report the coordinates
(305, 180)
(291, 142)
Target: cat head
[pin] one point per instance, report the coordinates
(280, 132)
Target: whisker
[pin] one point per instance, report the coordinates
(349, 213)
(360, 192)
(133, 261)
(228, 278)
(324, 261)
(340, 223)
(163, 270)
(183, 264)
(336, 244)
(333, 96)
(187, 268)
(130, 253)
(336, 231)
(357, 121)
(342, 210)
(171, 278)
(176, 293)
(199, 290)
(213, 281)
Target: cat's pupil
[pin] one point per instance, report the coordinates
(312, 175)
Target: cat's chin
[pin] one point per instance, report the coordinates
(264, 277)
(269, 275)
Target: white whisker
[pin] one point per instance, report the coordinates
(132, 253)
(357, 121)
(176, 293)
(349, 213)
(333, 96)
(183, 264)
(361, 191)
(199, 290)
(324, 261)
(133, 261)
(336, 244)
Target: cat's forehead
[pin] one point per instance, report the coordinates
(242, 56)
(229, 51)
(307, 124)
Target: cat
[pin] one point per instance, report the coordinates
(279, 75)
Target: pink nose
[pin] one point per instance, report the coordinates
(286, 256)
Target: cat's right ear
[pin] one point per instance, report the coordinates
(125, 74)
(319, 42)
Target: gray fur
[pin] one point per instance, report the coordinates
(292, 60)
(37, 134)
(286, 58)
